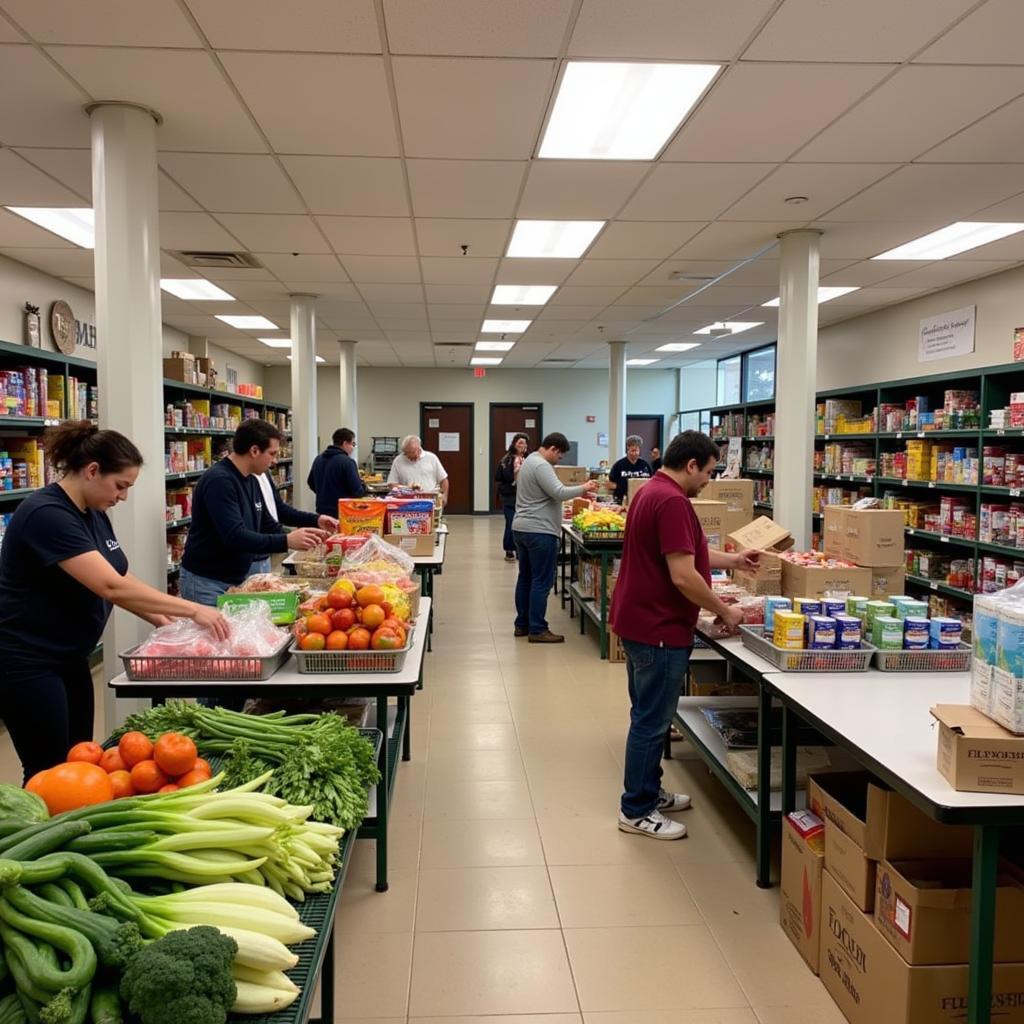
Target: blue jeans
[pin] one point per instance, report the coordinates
(508, 545)
(259, 565)
(538, 553)
(200, 589)
(655, 679)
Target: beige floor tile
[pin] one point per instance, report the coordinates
(470, 714)
(456, 693)
(369, 1020)
(820, 1013)
(595, 840)
(453, 736)
(596, 763)
(403, 854)
(364, 910)
(475, 766)
(451, 843)
(730, 1016)
(726, 893)
(484, 899)
(372, 972)
(461, 973)
(582, 797)
(607, 963)
(477, 800)
(515, 1018)
(618, 895)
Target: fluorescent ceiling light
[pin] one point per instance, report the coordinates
(485, 361)
(620, 111)
(76, 225)
(641, 362)
(505, 326)
(824, 294)
(494, 346)
(195, 288)
(552, 239)
(276, 342)
(678, 346)
(732, 326)
(522, 294)
(319, 359)
(948, 241)
(249, 323)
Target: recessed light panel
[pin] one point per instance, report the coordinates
(248, 323)
(195, 289)
(950, 240)
(552, 239)
(641, 362)
(76, 225)
(825, 294)
(486, 361)
(276, 342)
(319, 359)
(505, 326)
(522, 294)
(494, 346)
(678, 346)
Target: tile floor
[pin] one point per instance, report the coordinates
(514, 899)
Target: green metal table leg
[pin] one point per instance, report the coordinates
(403, 702)
(383, 794)
(983, 920)
(788, 761)
(764, 787)
(604, 604)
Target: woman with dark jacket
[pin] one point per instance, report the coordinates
(505, 477)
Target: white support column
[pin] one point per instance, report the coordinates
(130, 348)
(796, 382)
(347, 383)
(304, 409)
(616, 400)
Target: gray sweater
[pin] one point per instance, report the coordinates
(539, 497)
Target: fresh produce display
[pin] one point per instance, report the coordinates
(252, 634)
(317, 760)
(350, 618)
(594, 520)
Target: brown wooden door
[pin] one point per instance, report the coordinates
(509, 419)
(447, 430)
(647, 427)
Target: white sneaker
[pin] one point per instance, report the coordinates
(655, 825)
(668, 803)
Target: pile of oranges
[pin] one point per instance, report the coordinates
(351, 619)
(92, 775)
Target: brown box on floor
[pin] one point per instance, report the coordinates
(872, 984)
(977, 755)
(803, 857)
(816, 581)
(572, 476)
(616, 652)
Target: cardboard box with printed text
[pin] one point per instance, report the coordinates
(803, 857)
(977, 755)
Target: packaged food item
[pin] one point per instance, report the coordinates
(915, 633)
(833, 606)
(788, 631)
(944, 632)
(848, 632)
(910, 606)
(876, 609)
(887, 633)
(772, 604)
(807, 605)
(1010, 641)
(986, 628)
(361, 516)
(821, 632)
(857, 606)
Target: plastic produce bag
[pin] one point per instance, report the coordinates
(252, 634)
(377, 556)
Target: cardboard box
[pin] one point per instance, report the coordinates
(923, 908)
(737, 494)
(414, 545)
(803, 858)
(816, 581)
(632, 486)
(762, 534)
(718, 522)
(180, 369)
(766, 580)
(833, 523)
(874, 537)
(976, 754)
(572, 476)
(616, 652)
(887, 582)
(872, 984)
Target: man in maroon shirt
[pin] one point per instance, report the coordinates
(665, 578)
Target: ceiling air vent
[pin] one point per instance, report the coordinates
(453, 344)
(222, 260)
(558, 362)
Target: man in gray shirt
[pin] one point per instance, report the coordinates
(535, 530)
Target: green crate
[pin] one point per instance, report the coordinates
(283, 607)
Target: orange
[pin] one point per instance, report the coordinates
(147, 777)
(171, 787)
(192, 778)
(337, 641)
(86, 751)
(373, 616)
(175, 753)
(319, 623)
(122, 783)
(313, 642)
(359, 639)
(385, 639)
(134, 747)
(370, 594)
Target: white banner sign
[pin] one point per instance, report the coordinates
(447, 442)
(946, 335)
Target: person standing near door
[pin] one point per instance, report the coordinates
(419, 469)
(535, 529)
(630, 467)
(505, 476)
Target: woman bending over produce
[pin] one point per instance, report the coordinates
(61, 570)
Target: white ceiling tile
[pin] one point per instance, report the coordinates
(873, 297)
(459, 294)
(409, 337)
(171, 197)
(282, 233)
(462, 109)
(344, 102)
(578, 189)
(236, 274)
(641, 240)
(455, 312)
(48, 111)
(914, 110)
(359, 186)
(870, 30)
(604, 272)
(871, 272)
(321, 289)
(453, 330)
(733, 240)
(943, 274)
(531, 271)
(748, 98)
(21, 184)
(255, 290)
(199, 109)
(862, 240)
(939, 192)
(58, 262)
(735, 297)
(194, 231)
(824, 185)
(233, 183)
(170, 267)
(104, 22)
(445, 237)
(586, 295)
(379, 295)
(383, 269)
(998, 137)
(1011, 248)
(465, 188)
(988, 35)
(580, 313)
(307, 268)
(477, 28)
(692, 191)
(339, 26)
(369, 236)
(665, 29)
(659, 297)
(458, 270)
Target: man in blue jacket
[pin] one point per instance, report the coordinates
(334, 473)
(231, 524)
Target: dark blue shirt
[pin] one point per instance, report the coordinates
(334, 475)
(45, 613)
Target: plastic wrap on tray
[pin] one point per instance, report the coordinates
(380, 558)
(265, 583)
(252, 635)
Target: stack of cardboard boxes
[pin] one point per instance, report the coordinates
(724, 506)
(771, 540)
(876, 897)
(873, 540)
(191, 369)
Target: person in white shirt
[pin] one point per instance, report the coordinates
(416, 468)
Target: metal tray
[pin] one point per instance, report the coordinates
(341, 662)
(172, 668)
(834, 660)
(957, 659)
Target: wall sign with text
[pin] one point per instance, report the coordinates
(946, 335)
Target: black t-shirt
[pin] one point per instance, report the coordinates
(45, 613)
(624, 471)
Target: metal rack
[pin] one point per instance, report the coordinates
(382, 453)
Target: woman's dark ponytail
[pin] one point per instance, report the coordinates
(74, 444)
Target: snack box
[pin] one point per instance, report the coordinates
(821, 632)
(916, 630)
(944, 632)
(849, 631)
(789, 630)
(887, 633)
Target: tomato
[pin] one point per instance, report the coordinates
(112, 761)
(388, 609)
(385, 639)
(359, 639)
(134, 747)
(192, 778)
(370, 594)
(338, 598)
(313, 642)
(344, 618)
(318, 623)
(175, 753)
(171, 787)
(202, 765)
(337, 641)
(122, 783)
(35, 784)
(86, 751)
(147, 776)
(73, 784)
(373, 616)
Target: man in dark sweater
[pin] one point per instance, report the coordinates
(334, 473)
(231, 524)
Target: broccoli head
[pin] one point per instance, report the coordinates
(182, 978)
(68, 1006)
(126, 942)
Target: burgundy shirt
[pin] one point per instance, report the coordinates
(647, 607)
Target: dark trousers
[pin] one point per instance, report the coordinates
(508, 545)
(538, 553)
(47, 710)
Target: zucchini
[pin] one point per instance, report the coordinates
(105, 1005)
(11, 1011)
(103, 842)
(73, 890)
(57, 835)
(30, 1006)
(52, 893)
(15, 928)
(23, 980)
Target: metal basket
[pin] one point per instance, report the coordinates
(144, 668)
(603, 535)
(957, 659)
(341, 662)
(827, 660)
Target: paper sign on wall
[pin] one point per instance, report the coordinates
(447, 442)
(602, 440)
(530, 423)
(946, 335)
(433, 424)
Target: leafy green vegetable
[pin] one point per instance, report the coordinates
(20, 805)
